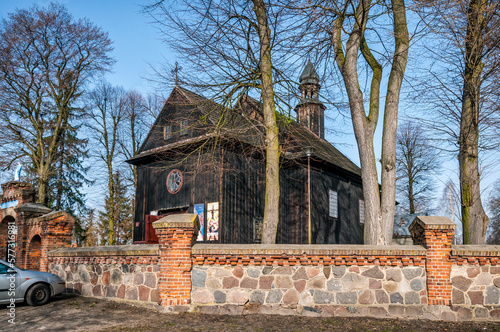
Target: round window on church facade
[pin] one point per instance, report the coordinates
(174, 181)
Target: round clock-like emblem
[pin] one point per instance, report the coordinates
(174, 181)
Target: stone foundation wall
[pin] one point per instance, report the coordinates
(308, 285)
(476, 285)
(475, 277)
(123, 272)
(429, 280)
(326, 280)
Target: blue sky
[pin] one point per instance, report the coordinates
(136, 45)
(136, 42)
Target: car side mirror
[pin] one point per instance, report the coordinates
(11, 271)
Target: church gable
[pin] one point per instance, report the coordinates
(188, 118)
(178, 120)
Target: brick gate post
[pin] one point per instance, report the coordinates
(176, 234)
(436, 235)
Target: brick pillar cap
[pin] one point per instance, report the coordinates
(432, 222)
(184, 220)
(15, 184)
(33, 207)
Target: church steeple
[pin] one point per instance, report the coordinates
(310, 111)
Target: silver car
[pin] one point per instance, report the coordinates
(17, 285)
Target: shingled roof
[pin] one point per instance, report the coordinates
(244, 122)
(309, 75)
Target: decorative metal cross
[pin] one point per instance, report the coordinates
(175, 71)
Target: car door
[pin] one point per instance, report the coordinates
(5, 279)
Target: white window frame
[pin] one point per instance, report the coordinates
(333, 204)
(183, 128)
(167, 132)
(361, 205)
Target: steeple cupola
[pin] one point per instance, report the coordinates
(310, 111)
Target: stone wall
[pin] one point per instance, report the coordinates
(475, 277)
(286, 279)
(429, 280)
(123, 272)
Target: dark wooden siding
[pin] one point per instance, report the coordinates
(346, 229)
(201, 182)
(292, 227)
(238, 184)
(243, 197)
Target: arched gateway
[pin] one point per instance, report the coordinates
(28, 230)
(4, 235)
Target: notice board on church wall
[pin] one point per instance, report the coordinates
(199, 209)
(213, 221)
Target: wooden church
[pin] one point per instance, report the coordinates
(201, 157)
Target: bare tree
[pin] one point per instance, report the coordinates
(91, 233)
(417, 162)
(136, 124)
(474, 219)
(464, 90)
(494, 207)
(46, 58)
(450, 207)
(232, 47)
(343, 29)
(120, 205)
(108, 113)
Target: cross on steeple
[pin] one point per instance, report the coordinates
(175, 71)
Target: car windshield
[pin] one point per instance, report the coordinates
(8, 265)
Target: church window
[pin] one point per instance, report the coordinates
(361, 211)
(167, 132)
(332, 204)
(183, 128)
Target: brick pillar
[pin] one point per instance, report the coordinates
(436, 235)
(15, 194)
(176, 235)
(25, 212)
(57, 230)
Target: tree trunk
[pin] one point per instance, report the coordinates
(379, 208)
(400, 58)
(474, 219)
(411, 197)
(111, 204)
(364, 126)
(271, 207)
(42, 190)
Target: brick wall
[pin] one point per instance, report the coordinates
(39, 229)
(430, 280)
(4, 235)
(436, 234)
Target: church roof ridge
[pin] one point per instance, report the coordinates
(237, 125)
